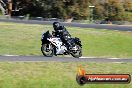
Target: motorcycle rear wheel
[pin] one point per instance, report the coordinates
(48, 52)
(78, 53)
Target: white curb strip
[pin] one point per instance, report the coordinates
(97, 57)
(10, 55)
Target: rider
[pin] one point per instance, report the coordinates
(60, 31)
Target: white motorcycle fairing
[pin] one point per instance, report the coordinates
(60, 47)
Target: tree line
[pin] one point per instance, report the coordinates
(77, 9)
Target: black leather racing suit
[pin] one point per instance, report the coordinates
(64, 35)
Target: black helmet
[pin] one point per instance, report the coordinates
(56, 25)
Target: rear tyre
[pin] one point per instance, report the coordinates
(77, 53)
(47, 50)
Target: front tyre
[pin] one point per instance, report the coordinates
(77, 52)
(47, 50)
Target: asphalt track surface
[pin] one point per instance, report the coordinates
(60, 59)
(97, 26)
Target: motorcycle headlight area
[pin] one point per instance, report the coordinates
(42, 37)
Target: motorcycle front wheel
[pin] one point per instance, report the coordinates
(47, 50)
(77, 53)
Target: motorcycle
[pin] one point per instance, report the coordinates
(54, 46)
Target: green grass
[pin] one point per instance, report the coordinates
(56, 74)
(24, 39)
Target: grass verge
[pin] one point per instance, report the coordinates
(24, 39)
(56, 74)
